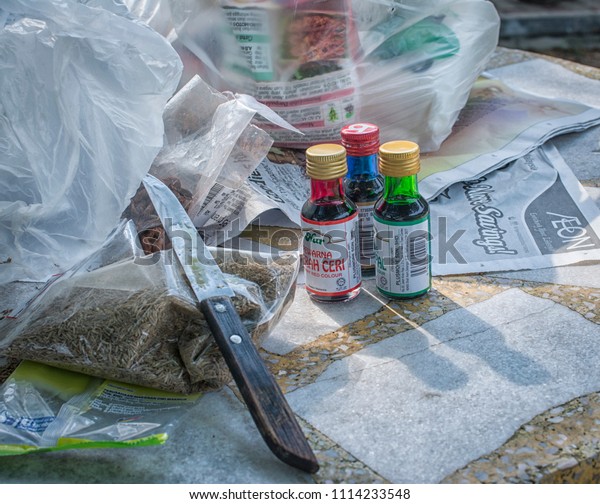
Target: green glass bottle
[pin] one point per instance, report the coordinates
(401, 215)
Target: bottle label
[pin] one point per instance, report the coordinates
(403, 257)
(331, 256)
(365, 226)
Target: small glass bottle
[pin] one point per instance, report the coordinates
(330, 228)
(401, 215)
(363, 184)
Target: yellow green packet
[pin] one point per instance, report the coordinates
(43, 408)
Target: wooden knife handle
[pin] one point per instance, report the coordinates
(266, 403)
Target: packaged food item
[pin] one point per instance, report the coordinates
(135, 319)
(43, 408)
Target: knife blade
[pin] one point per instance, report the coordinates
(263, 397)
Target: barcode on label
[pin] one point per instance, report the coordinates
(419, 256)
(367, 243)
(402, 258)
(366, 236)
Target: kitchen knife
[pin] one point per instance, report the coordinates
(267, 405)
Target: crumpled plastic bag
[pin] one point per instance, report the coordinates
(420, 63)
(155, 13)
(210, 139)
(44, 408)
(211, 145)
(82, 90)
(405, 65)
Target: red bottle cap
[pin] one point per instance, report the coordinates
(360, 139)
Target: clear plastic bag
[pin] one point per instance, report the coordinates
(82, 90)
(155, 13)
(406, 66)
(135, 319)
(421, 59)
(211, 146)
(43, 408)
(210, 139)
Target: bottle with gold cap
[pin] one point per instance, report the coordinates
(401, 215)
(330, 228)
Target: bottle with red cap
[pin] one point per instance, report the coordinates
(363, 184)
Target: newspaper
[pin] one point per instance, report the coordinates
(530, 214)
(549, 80)
(498, 125)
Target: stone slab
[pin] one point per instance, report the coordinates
(581, 276)
(306, 320)
(420, 405)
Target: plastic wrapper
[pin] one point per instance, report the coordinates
(155, 13)
(406, 66)
(136, 320)
(211, 143)
(43, 408)
(82, 89)
(209, 139)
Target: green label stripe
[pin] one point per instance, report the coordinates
(394, 223)
(252, 38)
(6, 449)
(71, 443)
(405, 295)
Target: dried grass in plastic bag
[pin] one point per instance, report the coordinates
(136, 320)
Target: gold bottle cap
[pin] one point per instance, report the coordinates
(399, 158)
(326, 162)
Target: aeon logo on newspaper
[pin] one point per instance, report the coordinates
(571, 231)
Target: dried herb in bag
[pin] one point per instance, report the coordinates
(138, 322)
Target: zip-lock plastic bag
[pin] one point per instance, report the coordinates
(82, 90)
(406, 66)
(43, 408)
